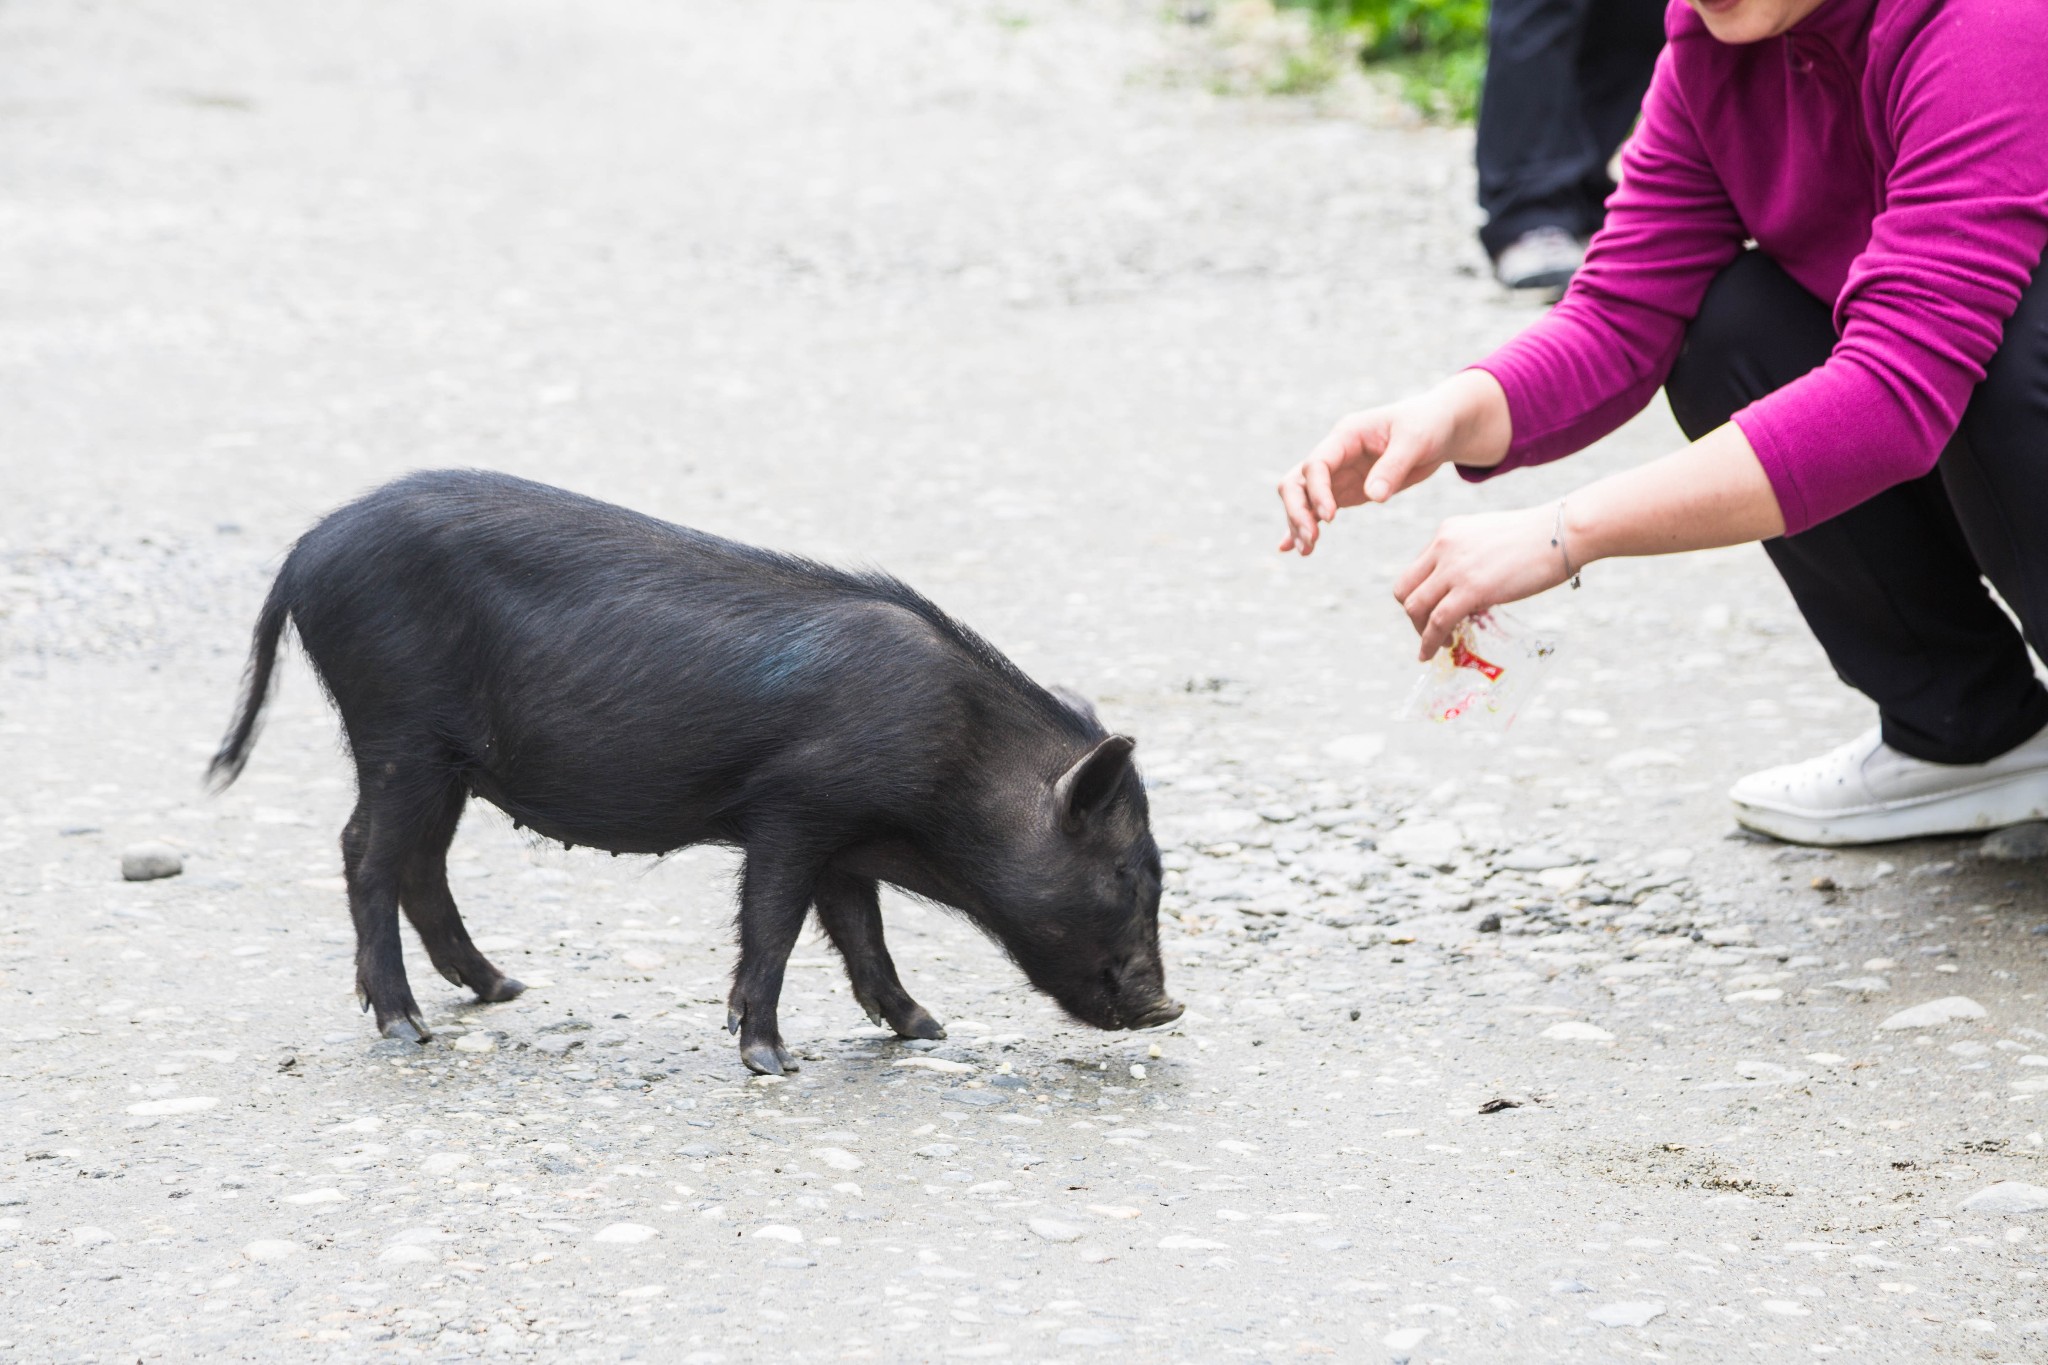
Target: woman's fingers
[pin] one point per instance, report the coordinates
(1451, 609)
(1394, 469)
(1412, 577)
(1301, 522)
(1421, 603)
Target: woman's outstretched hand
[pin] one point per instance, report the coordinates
(1371, 455)
(1477, 562)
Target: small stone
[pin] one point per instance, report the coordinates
(1489, 924)
(1570, 1287)
(777, 1232)
(1535, 860)
(445, 1163)
(1764, 996)
(624, 1234)
(1430, 843)
(1182, 1242)
(476, 1042)
(90, 1237)
(838, 1158)
(939, 1064)
(2016, 844)
(183, 1104)
(329, 1195)
(937, 1150)
(146, 862)
(1053, 1230)
(1946, 1010)
(1355, 748)
(1090, 1336)
(406, 1254)
(1633, 1314)
(2008, 1196)
(1405, 1338)
(267, 1250)
(977, 1099)
(1574, 1031)
(1860, 985)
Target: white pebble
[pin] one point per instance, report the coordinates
(184, 1104)
(1180, 1241)
(1635, 1314)
(445, 1163)
(329, 1195)
(2008, 1196)
(624, 1234)
(476, 1042)
(935, 1064)
(406, 1254)
(838, 1158)
(1945, 1010)
(90, 1237)
(777, 1232)
(1575, 1031)
(271, 1250)
(1053, 1230)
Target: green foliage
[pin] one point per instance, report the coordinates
(1435, 48)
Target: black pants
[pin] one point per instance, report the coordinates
(1894, 587)
(1564, 80)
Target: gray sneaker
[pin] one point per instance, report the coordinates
(1542, 258)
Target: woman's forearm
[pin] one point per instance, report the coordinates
(1483, 429)
(1712, 493)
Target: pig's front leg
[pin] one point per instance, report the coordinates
(849, 909)
(775, 895)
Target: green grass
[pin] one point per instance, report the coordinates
(1436, 49)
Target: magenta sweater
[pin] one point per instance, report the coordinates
(1892, 156)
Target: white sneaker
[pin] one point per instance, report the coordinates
(1866, 792)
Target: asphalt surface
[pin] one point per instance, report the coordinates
(985, 294)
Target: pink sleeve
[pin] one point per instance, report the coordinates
(1596, 359)
(1925, 305)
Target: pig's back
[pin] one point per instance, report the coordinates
(622, 681)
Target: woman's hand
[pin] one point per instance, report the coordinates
(1479, 562)
(1369, 456)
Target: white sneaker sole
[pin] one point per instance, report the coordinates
(1981, 807)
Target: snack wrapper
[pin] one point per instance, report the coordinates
(1493, 665)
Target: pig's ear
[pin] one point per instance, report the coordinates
(1075, 702)
(1086, 787)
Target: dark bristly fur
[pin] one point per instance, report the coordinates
(616, 682)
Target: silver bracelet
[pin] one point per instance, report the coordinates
(1557, 543)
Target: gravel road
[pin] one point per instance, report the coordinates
(1498, 1047)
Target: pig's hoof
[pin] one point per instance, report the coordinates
(917, 1022)
(505, 989)
(406, 1030)
(767, 1059)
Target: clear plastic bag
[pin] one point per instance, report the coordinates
(1491, 668)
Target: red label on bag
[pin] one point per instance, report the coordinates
(1462, 657)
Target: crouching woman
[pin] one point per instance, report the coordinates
(1827, 249)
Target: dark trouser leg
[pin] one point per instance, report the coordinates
(1893, 587)
(1564, 79)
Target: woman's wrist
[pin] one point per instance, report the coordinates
(1481, 428)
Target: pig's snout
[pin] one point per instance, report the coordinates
(1163, 1012)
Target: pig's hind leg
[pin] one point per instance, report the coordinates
(850, 910)
(374, 848)
(428, 903)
